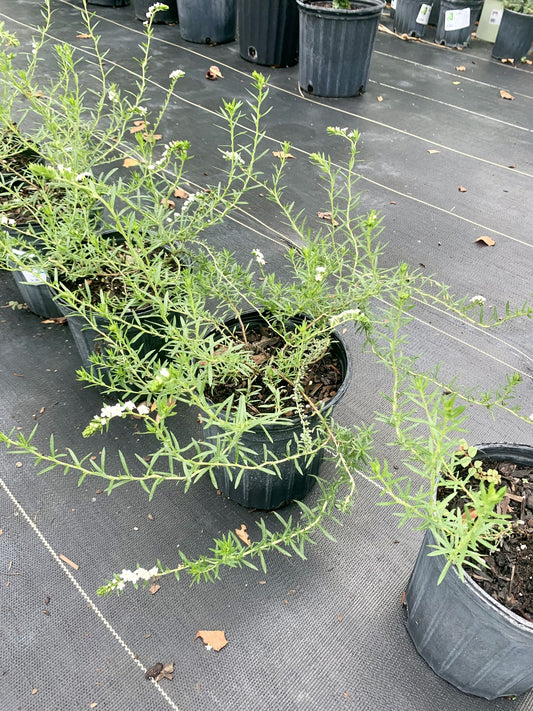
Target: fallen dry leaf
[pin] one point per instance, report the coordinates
(18, 465)
(93, 705)
(166, 672)
(456, 82)
(34, 691)
(138, 126)
(180, 193)
(461, 189)
(214, 73)
(213, 638)
(83, 35)
(153, 671)
(433, 150)
(329, 217)
(473, 514)
(169, 203)
(241, 533)
(505, 95)
(68, 561)
(281, 154)
(510, 60)
(154, 587)
(129, 162)
(151, 136)
(485, 240)
(460, 69)
(61, 320)
(380, 98)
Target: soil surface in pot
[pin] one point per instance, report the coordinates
(322, 380)
(508, 576)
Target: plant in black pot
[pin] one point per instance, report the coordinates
(411, 17)
(515, 33)
(457, 20)
(336, 44)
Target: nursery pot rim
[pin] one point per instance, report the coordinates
(467, 580)
(363, 8)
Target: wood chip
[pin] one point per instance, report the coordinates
(68, 561)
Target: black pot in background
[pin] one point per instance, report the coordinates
(457, 37)
(336, 47)
(514, 37)
(260, 490)
(36, 294)
(168, 17)
(412, 17)
(207, 21)
(109, 3)
(465, 635)
(268, 31)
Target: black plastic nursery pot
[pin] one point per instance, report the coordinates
(336, 47)
(465, 635)
(514, 37)
(167, 17)
(268, 31)
(411, 17)
(258, 489)
(109, 3)
(208, 21)
(36, 294)
(457, 21)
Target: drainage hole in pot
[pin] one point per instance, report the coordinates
(252, 52)
(208, 40)
(309, 88)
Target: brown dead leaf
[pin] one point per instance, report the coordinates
(509, 60)
(60, 320)
(433, 150)
(473, 514)
(281, 154)
(241, 533)
(214, 73)
(329, 217)
(180, 193)
(460, 69)
(529, 61)
(129, 162)
(166, 672)
(42, 410)
(138, 126)
(68, 561)
(150, 517)
(380, 98)
(169, 203)
(461, 189)
(455, 83)
(93, 705)
(154, 587)
(34, 691)
(151, 136)
(485, 240)
(1, 531)
(18, 465)
(213, 638)
(83, 35)
(505, 95)
(153, 671)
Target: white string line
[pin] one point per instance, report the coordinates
(82, 592)
(453, 106)
(452, 74)
(319, 103)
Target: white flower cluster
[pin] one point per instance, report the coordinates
(140, 110)
(109, 411)
(4, 220)
(170, 148)
(112, 95)
(349, 315)
(188, 202)
(319, 273)
(259, 257)
(154, 8)
(176, 74)
(233, 156)
(133, 576)
(82, 176)
(478, 299)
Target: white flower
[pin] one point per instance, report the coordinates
(153, 571)
(259, 257)
(60, 168)
(189, 201)
(34, 47)
(109, 411)
(319, 273)
(120, 586)
(140, 110)
(143, 574)
(112, 95)
(478, 299)
(154, 8)
(82, 176)
(531, 417)
(143, 409)
(233, 156)
(164, 373)
(4, 220)
(176, 74)
(129, 406)
(128, 576)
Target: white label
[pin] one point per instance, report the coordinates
(393, 4)
(35, 277)
(495, 17)
(457, 19)
(423, 15)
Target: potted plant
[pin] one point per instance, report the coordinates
(208, 21)
(457, 21)
(336, 43)
(515, 33)
(268, 31)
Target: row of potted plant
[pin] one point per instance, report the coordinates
(169, 323)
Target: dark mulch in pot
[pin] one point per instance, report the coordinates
(322, 380)
(508, 576)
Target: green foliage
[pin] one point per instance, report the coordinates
(523, 6)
